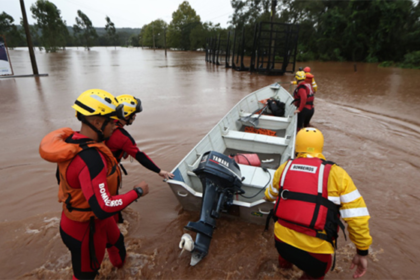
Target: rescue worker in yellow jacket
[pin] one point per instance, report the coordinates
(311, 195)
(307, 71)
(89, 178)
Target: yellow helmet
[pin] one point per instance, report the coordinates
(131, 104)
(300, 75)
(97, 102)
(309, 140)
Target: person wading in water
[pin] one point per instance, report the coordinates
(309, 75)
(303, 100)
(311, 195)
(122, 144)
(89, 178)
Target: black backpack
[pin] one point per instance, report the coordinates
(276, 107)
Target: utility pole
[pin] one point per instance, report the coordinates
(164, 38)
(273, 10)
(28, 38)
(153, 31)
(272, 41)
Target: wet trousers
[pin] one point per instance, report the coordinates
(315, 266)
(305, 117)
(87, 256)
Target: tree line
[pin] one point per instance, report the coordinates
(385, 31)
(50, 32)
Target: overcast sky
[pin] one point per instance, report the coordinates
(125, 13)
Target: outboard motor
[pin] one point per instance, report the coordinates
(221, 179)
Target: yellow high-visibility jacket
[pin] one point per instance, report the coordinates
(314, 85)
(341, 191)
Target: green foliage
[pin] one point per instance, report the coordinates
(134, 40)
(84, 30)
(386, 64)
(305, 56)
(53, 29)
(152, 34)
(371, 59)
(111, 31)
(10, 30)
(411, 60)
(184, 21)
(372, 31)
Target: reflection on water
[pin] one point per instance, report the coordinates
(370, 120)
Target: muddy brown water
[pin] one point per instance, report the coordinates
(370, 120)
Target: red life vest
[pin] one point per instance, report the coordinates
(310, 97)
(302, 204)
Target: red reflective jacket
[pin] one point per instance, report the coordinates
(302, 204)
(304, 96)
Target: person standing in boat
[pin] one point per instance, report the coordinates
(311, 195)
(89, 177)
(122, 144)
(303, 100)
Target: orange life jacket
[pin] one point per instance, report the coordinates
(59, 147)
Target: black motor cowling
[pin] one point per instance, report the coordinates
(221, 169)
(221, 179)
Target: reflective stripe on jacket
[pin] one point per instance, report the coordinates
(302, 204)
(353, 210)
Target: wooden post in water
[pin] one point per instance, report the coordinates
(164, 39)
(28, 38)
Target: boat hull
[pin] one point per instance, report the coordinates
(229, 137)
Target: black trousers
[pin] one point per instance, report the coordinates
(305, 117)
(314, 265)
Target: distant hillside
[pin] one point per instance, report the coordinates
(126, 36)
(101, 30)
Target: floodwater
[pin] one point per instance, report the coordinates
(370, 120)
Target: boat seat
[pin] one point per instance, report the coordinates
(256, 177)
(269, 122)
(257, 143)
(246, 136)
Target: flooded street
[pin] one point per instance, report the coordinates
(370, 120)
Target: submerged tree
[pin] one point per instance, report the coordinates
(111, 32)
(50, 24)
(184, 20)
(152, 34)
(202, 32)
(10, 30)
(134, 40)
(84, 30)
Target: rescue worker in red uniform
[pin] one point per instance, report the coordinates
(311, 195)
(122, 144)
(307, 71)
(303, 100)
(89, 178)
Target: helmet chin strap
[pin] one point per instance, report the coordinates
(101, 136)
(130, 117)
